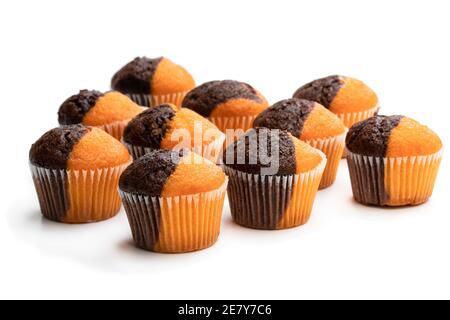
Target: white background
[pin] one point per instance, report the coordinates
(50, 49)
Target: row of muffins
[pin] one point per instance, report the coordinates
(173, 194)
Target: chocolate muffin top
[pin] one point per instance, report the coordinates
(149, 127)
(206, 97)
(53, 149)
(135, 77)
(73, 110)
(288, 115)
(253, 152)
(321, 90)
(370, 137)
(149, 174)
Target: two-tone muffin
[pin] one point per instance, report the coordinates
(174, 201)
(76, 171)
(350, 99)
(274, 178)
(167, 127)
(393, 161)
(312, 123)
(150, 82)
(109, 111)
(228, 104)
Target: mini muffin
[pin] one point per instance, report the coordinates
(228, 104)
(173, 200)
(274, 178)
(312, 123)
(167, 127)
(150, 82)
(393, 161)
(109, 111)
(76, 171)
(351, 99)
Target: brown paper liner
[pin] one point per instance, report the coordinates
(78, 196)
(175, 224)
(147, 100)
(393, 181)
(210, 151)
(333, 148)
(273, 202)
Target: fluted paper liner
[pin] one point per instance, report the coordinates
(333, 148)
(224, 123)
(273, 202)
(175, 224)
(78, 196)
(147, 100)
(393, 181)
(115, 129)
(210, 151)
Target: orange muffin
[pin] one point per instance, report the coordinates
(350, 99)
(173, 200)
(109, 111)
(228, 104)
(312, 123)
(167, 127)
(150, 82)
(76, 171)
(274, 178)
(393, 161)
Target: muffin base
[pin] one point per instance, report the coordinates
(148, 100)
(115, 129)
(273, 202)
(78, 196)
(333, 148)
(175, 224)
(393, 181)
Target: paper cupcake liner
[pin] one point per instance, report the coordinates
(115, 129)
(272, 202)
(224, 123)
(210, 151)
(333, 148)
(350, 118)
(175, 224)
(77, 196)
(147, 100)
(393, 181)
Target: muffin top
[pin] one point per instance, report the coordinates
(156, 76)
(271, 152)
(304, 119)
(162, 126)
(93, 108)
(76, 147)
(227, 98)
(339, 94)
(392, 136)
(171, 173)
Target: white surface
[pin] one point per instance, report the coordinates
(50, 49)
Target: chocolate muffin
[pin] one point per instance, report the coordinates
(109, 111)
(350, 99)
(174, 201)
(228, 104)
(274, 178)
(76, 171)
(312, 123)
(150, 82)
(393, 161)
(167, 127)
